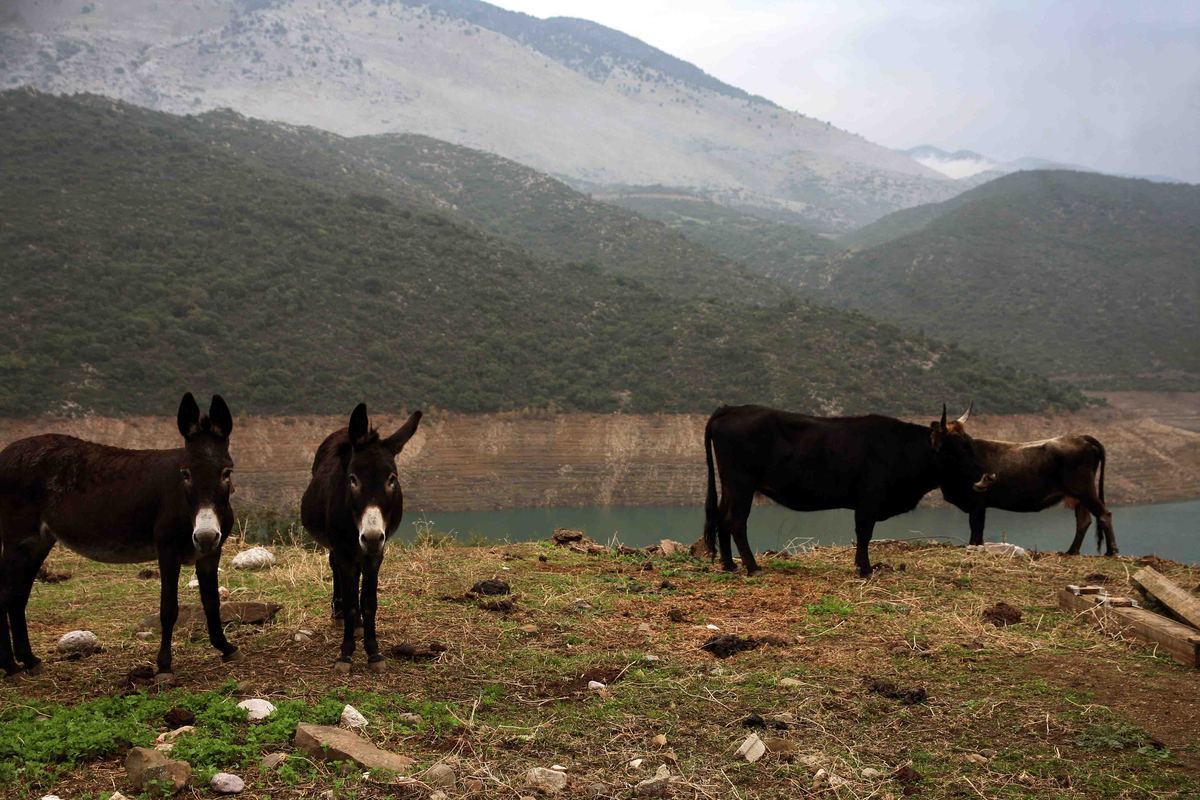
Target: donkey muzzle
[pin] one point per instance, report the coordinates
(371, 536)
(206, 533)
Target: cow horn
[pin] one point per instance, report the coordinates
(966, 414)
(943, 416)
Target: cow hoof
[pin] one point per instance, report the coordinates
(164, 678)
(341, 667)
(378, 666)
(233, 657)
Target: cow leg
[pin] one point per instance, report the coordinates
(976, 519)
(168, 607)
(210, 598)
(1083, 521)
(30, 562)
(864, 528)
(740, 514)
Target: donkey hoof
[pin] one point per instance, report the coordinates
(341, 667)
(36, 668)
(377, 666)
(233, 657)
(164, 678)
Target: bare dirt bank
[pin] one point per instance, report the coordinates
(459, 462)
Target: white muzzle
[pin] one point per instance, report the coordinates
(372, 537)
(206, 532)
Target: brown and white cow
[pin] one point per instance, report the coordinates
(1031, 476)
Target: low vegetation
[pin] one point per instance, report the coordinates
(147, 253)
(894, 686)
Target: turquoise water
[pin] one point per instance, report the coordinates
(1169, 530)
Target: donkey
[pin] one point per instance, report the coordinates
(351, 506)
(120, 507)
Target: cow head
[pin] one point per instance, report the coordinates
(957, 459)
(206, 471)
(372, 484)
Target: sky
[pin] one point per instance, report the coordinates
(1110, 85)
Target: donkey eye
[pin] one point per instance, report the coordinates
(186, 474)
(391, 482)
(227, 475)
(353, 481)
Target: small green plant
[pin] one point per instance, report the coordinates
(830, 605)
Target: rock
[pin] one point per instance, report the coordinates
(440, 775)
(148, 769)
(597, 790)
(871, 774)
(644, 627)
(530, 629)
(409, 719)
(144, 635)
(492, 587)
(245, 612)
(51, 797)
(659, 741)
(351, 718)
(1000, 549)
(596, 686)
(439, 795)
(168, 738)
(790, 683)
(544, 780)
(712, 627)
(670, 547)
(821, 780)
(752, 749)
(117, 796)
(975, 758)
(272, 761)
(227, 783)
(326, 743)
(567, 536)
(655, 786)
(254, 558)
(636, 763)
(257, 709)
(78, 644)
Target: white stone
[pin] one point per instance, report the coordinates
(752, 749)
(254, 558)
(117, 796)
(80, 643)
(596, 686)
(637, 762)
(51, 797)
(352, 718)
(790, 682)
(257, 708)
(999, 548)
(227, 783)
(546, 780)
(651, 659)
(871, 774)
(409, 719)
(712, 627)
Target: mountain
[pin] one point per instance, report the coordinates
(1075, 274)
(568, 97)
(971, 168)
(146, 254)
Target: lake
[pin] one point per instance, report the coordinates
(1169, 530)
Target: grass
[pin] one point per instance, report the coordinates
(1045, 708)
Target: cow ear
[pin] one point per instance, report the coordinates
(397, 440)
(188, 418)
(218, 414)
(360, 426)
(935, 435)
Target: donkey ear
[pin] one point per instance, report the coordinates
(360, 426)
(397, 440)
(218, 414)
(189, 416)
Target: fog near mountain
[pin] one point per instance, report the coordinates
(568, 97)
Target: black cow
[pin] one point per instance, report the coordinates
(120, 507)
(877, 466)
(351, 506)
(1031, 476)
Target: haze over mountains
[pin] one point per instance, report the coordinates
(565, 96)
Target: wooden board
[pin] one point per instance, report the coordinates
(1181, 641)
(1186, 606)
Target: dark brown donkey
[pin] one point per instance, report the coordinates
(121, 507)
(351, 506)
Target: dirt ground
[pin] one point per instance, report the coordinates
(891, 687)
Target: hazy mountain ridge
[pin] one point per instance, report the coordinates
(1077, 274)
(601, 108)
(146, 253)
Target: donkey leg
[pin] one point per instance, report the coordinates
(337, 612)
(30, 562)
(864, 529)
(369, 605)
(210, 598)
(7, 581)
(976, 520)
(168, 609)
(347, 568)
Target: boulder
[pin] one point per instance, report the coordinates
(547, 781)
(150, 769)
(254, 558)
(326, 743)
(257, 709)
(227, 783)
(440, 776)
(77, 644)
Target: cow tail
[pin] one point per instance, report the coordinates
(710, 502)
(1103, 459)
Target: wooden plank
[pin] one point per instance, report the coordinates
(1181, 603)
(1181, 641)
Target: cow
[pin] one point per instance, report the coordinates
(878, 466)
(351, 506)
(1031, 476)
(120, 507)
